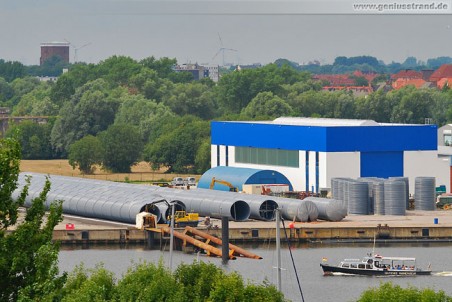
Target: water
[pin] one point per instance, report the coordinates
(315, 286)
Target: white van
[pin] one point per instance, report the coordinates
(190, 181)
(177, 181)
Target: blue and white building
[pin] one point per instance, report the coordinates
(312, 151)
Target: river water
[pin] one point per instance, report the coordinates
(307, 257)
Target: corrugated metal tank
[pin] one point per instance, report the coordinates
(240, 176)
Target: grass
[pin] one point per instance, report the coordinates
(141, 172)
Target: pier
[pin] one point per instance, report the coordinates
(414, 226)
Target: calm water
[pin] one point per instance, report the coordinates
(315, 286)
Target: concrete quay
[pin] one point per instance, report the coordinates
(415, 225)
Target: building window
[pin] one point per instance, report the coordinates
(448, 139)
(271, 157)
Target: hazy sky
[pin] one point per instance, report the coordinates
(260, 31)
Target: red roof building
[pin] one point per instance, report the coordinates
(402, 82)
(444, 71)
(444, 82)
(407, 74)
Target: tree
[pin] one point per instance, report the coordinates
(192, 98)
(34, 139)
(137, 111)
(28, 258)
(117, 70)
(36, 103)
(389, 292)
(91, 110)
(6, 92)
(176, 147)
(11, 70)
(89, 285)
(163, 66)
(86, 153)
(123, 146)
(267, 104)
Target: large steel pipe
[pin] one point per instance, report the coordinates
(297, 210)
(329, 209)
(262, 207)
(93, 198)
(209, 203)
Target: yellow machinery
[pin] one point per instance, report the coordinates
(223, 182)
(182, 219)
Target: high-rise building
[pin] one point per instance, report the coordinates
(51, 49)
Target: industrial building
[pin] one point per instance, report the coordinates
(312, 151)
(51, 49)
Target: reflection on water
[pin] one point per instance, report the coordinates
(307, 256)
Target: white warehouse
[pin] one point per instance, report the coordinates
(312, 151)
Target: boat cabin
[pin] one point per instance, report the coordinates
(380, 262)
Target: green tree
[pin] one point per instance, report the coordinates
(123, 147)
(28, 257)
(236, 89)
(86, 153)
(177, 144)
(36, 103)
(117, 70)
(267, 104)
(202, 158)
(149, 282)
(89, 285)
(34, 139)
(91, 110)
(192, 98)
(389, 292)
(11, 70)
(138, 111)
(163, 66)
(6, 91)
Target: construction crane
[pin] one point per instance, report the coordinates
(223, 182)
(222, 50)
(76, 49)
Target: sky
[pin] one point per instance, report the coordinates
(192, 31)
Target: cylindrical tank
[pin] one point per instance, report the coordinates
(358, 198)
(395, 200)
(378, 190)
(424, 193)
(407, 189)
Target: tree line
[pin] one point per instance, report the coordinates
(121, 111)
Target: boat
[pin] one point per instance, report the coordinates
(376, 265)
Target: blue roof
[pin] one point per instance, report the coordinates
(240, 176)
(379, 138)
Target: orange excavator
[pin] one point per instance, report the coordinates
(223, 182)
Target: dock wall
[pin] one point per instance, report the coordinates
(302, 234)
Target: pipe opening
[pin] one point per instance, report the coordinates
(267, 210)
(240, 210)
(178, 206)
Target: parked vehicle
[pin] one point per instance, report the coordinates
(177, 181)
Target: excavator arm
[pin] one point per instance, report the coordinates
(223, 182)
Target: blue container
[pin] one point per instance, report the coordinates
(435, 220)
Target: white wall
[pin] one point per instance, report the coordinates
(342, 164)
(426, 163)
(331, 164)
(213, 156)
(312, 171)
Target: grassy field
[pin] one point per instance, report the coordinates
(141, 172)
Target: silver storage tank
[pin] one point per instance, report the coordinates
(395, 200)
(424, 193)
